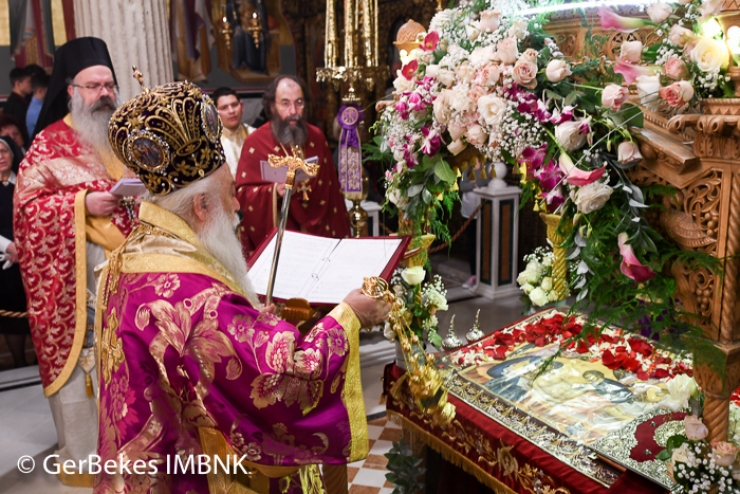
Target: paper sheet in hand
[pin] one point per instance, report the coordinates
(324, 270)
(128, 187)
(277, 175)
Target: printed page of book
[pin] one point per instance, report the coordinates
(352, 260)
(298, 266)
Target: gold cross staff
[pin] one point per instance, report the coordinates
(293, 162)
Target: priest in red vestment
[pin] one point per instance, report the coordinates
(66, 222)
(317, 205)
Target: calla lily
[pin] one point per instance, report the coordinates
(430, 41)
(631, 72)
(410, 69)
(631, 266)
(611, 20)
(576, 176)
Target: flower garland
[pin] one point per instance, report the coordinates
(612, 347)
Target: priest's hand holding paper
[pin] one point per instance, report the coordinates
(280, 190)
(101, 203)
(370, 311)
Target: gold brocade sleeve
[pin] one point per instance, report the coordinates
(352, 395)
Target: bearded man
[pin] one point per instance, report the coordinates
(190, 364)
(65, 223)
(317, 205)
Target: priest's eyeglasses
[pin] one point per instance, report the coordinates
(109, 86)
(286, 104)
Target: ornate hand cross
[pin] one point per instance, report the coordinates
(293, 163)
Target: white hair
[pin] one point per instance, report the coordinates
(218, 233)
(91, 122)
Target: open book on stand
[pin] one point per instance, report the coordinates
(323, 270)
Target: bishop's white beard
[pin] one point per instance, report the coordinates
(219, 239)
(91, 122)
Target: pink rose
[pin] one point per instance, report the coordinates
(508, 51)
(488, 75)
(465, 72)
(631, 51)
(476, 135)
(530, 54)
(475, 93)
(677, 94)
(695, 428)
(614, 96)
(632, 268)
(710, 7)
(659, 11)
(557, 70)
(525, 72)
(441, 107)
(489, 20)
(679, 36)
(675, 68)
(724, 453)
(627, 152)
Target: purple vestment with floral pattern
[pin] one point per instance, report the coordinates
(188, 367)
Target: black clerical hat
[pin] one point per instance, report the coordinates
(69, 60)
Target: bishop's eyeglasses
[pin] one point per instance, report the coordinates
(109, 86)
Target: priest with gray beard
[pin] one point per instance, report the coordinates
(66, 223)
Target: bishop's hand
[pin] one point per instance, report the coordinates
(280, 190)
(370, 311)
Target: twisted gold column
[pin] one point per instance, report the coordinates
(559, 265)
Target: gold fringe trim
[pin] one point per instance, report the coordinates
(453, 456)
(311, 480)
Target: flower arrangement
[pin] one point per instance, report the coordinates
(697, 465)
(536, 280)
(496, 83)
(690, 63)
(421, 301)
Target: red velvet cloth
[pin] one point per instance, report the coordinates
(477, 425)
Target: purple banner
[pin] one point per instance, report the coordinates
(350, 158)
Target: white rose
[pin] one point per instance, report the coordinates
(436, 300)
(648, 87)
(546, 283)
(489, 20)
(710, 55)
(627, 152)
(472, 31)
(592, 197)
(402, 84)
(569, 135)
(441, 108)
(695, 428)
(518, 29)
(388, 332)
(659, 12)
(476, 135)
(553, 296)
(547, 261)
(557, 70)
(538, 297)
(507, 51)
(456, 146)
(413, 275)
(481, 55)
(678, 36)
(446, 77)
(456, 129)
(527, 288)
(710, 7)
(459, 101)
(679, 392)
(631, 51)
(397, 198)
(492, 108)
(432, 71)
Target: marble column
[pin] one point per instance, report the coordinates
(137, 33)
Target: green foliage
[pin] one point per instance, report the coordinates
(404, 469)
